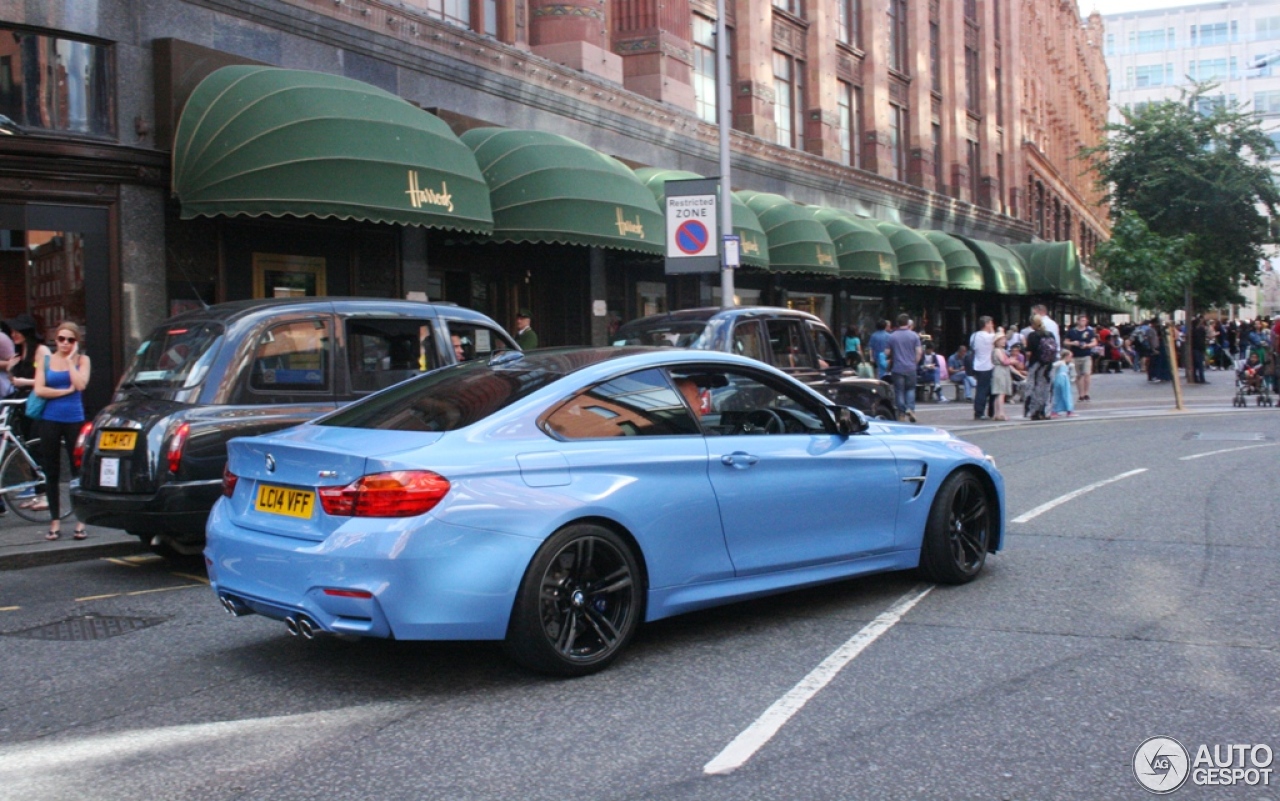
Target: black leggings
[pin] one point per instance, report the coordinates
(51, 436)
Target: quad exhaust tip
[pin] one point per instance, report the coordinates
(234, 607)
(302, 626)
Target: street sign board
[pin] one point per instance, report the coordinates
(692, 225)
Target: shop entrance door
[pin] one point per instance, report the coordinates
(52, 260)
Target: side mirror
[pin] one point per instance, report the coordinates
(849, 421)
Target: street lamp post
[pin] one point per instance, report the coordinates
(724, 102)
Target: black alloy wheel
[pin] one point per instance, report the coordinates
(958, 532)
(579, 604)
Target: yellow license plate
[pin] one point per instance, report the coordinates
(284, 501)
(117, 440)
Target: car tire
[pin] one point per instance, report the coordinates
(958, 533)
(578, 605)
(884, 412)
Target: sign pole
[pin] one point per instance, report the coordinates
(724, 103)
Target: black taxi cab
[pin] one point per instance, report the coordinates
(152, 460)
(791, 340)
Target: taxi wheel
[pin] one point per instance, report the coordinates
(958, 532)
(579, 604)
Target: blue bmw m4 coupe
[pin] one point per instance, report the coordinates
(557, 499)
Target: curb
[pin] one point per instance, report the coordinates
(42, 556)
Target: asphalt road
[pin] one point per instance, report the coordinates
(1145, 606)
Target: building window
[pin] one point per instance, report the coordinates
(1213, 69)
(788, 104)
(1154, 41)
(1267, 28)
(491, 17)
(999, 96)
(859, 123)
(1000, 196)
(1217, 33)
(938, 183)
(795, 7)
(1267, 103)
(57, 84)
(1151, 75)
(975, 171)
(844, 109)
(935, 57)
(847, 15)
(972, 81)
(899, 129)
(898, 35)
(1110, 47)
(704, 68)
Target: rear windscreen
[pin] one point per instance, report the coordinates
(444, 400)
(175, 356)
(667, 333)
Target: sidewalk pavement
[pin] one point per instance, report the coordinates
(1113, 395)
(1127, 394)
(22, 543)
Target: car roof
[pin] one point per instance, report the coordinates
(709, 313)
(238, 309)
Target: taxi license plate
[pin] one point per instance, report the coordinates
(117, 440)
(284, 501)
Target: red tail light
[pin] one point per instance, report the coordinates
(86, 431)
(176, 445)
(402, 493)
(229, 480)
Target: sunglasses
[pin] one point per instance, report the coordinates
(72, 340)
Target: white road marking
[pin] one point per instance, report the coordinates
(1056, 502)
(1227, 450)
(753, 738)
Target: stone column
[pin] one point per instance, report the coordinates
(575, 34)
(752, 83)
(653, 39)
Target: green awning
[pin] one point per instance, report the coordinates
(549, 188)
(1002, 269)
(964, 271)
(270, 141)
(1052, 267)
(754, 243)
(797, 242)
(918, 260)
(861, 250)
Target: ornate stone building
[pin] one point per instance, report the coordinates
(959, 116)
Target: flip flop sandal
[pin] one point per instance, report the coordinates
(80, 533)
(52, 535)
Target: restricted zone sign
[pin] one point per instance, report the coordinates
(691, 226)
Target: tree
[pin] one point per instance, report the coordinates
(1155, 269)
(1193, 170)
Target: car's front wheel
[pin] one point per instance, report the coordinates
(958, 533)
(578, 605)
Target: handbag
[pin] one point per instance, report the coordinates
(34, 408)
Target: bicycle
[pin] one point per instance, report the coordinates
(22, 479)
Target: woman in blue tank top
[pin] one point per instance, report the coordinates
(59, 380)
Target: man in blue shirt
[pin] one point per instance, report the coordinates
(1081, 340)
(877, 344)
(904, 350)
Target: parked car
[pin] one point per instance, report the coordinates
(153, 459)
(796, 342)
(558, 498)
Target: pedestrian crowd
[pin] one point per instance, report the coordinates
(1050, 370)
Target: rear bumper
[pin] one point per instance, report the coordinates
(428, 580)
(177, 510)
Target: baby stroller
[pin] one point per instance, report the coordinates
(1254, 378)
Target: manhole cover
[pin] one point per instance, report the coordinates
(87, 627)
(1228, 436)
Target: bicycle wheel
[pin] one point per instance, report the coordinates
(22, 484)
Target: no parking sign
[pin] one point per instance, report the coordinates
(691, 226)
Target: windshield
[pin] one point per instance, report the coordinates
(174, 356)
(446, 399)
(694, 334)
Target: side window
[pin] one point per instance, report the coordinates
(824, 344)
(786, 341)
(293, 357)
(382, 352)
(474, 341)
(748, 340)
(643, 404)
(735, 402)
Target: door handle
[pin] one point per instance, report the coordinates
(739, 459)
